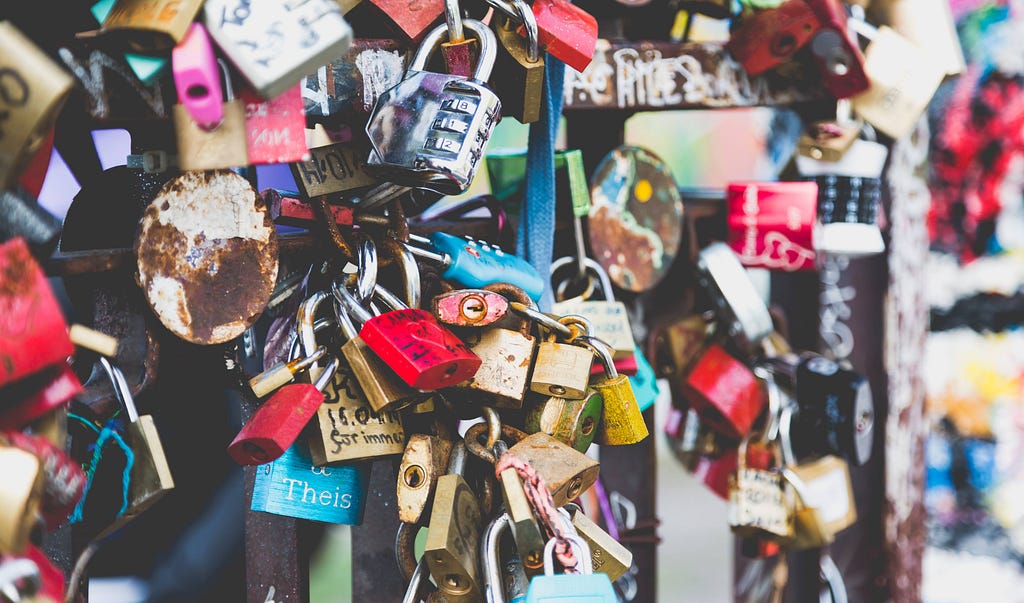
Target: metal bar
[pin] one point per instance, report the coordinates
(375, 575)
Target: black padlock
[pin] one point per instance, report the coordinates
(835, 411)
(21, 216)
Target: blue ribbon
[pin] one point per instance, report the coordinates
(536, 235)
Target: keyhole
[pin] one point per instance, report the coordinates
(454, 584)
(864, 421)
(557, 390)
(197, 91)
(575, 486)
(255, 452)
(588, 426)
(414, 476)
(784, 45)
(533, 559)
(473, 309)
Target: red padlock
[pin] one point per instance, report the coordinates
(724, 392)
(275, 425)
(767, 38)
(566, 31)
(275, 128)
(715, 471)
(420, 350)
(36, 396)
(51, 579)
(773, 224)
(64, 480)
(836, 52)
(411, 17)
(33, 334)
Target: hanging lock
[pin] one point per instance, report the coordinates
(563, 369)
(459, 52)
(453, 535)
(33, 334)
(34, 92)
(738, 304)
(608, 317)
(209, 129)
(607, 555)
(151, 476)
(773, 224)
(568, 473)
(469, 307)
(725, 392)
(283, 373)
(526, 530)
(573, 422)
(769, 37)
(518, 77)
(565, 31)
(425, 459)
(757, 503)
(151, 25)
(63, 478)
(835, 411)
(836, 52)
(277, 44)
(430, 130)
(276, 424)
(275, 129)
(502, 582)
(622, 423)
(20, 498)
(476, 264)
(582, 587)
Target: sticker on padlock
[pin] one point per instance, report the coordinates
(773, 225)
(276, 44)
(293, 486)
(430, 131)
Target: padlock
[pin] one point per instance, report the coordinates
(825, 485)
(276, 424)
(607, 555)
(608, 317)
(757, 503)
(34, 397)
(51, 578)
(425, 459)
(769, 37)
(410, 18)
(526, 529)
(474, 263)
(582, 587)
(275, 128)
(383, 389)
(567, 472)
(678, 343)
(346, 429)
(197, 78)
(334, 168)
(63, 478)
(276, 44)
(573, 422)
(24, 481)
(283, 373)
(849, 195)
(459, 52)
(621, 423)
(21, 216)
(829, 140)
(690, 439)
(518, 77)
(903, 80)
(34, 91)
(835, 411)
(740, 308)
(33, 334)
(565, 31)
(423, 353)
(724, 391)
(222, 145)
(809, 530)
(773, 224)
(293, 486)
(453, 536)
(836, 52)
(562, 369)
(430, 130)
(208, 279)
(151, 477)
(151, 25)
(147, 67)
(469, 307)
(506, 358)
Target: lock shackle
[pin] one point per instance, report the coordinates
(405, 545)
(786, 435)
(515, 295)
(416, 582)
(775, 402)
(530, 25)
(327, 375)
(545, 320)
(603, 351)
(305, 321)
(344, 319)
(457, 459)
(579, 325)
(590, 266)
(355, 309)
(799, 485)
(410, 272)
(453, 20)
(122, 391)
(296, 352)
(367, 267)
(493, 427)
(579, 548)
(483, 34)
(833, 579)
(490, 555)
(390, 299)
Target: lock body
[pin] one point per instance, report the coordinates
(276, 424)
(222, 147)
(21, 216)
(520, 81)
(835, 411)
(567, 472)
(769, 37)
(565, 31)
(453, 540)
(506, 357)
(469, 307)
(574, 422)
(476, 264)
(423, 462)
(383, 389)
(63, 478)
(561, 370)
(571, 588)
(773, 224)
(835, 52)
(526, 530)
(149, 25)
(607, 555)
(725, 392)
(621, 423)
(609, 322)
(38, 395)
(293, 486)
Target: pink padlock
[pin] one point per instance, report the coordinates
(197, 78)
(773, 224)
(625, 366)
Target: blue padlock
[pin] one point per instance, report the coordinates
(476, 264)
(586, 587)
(292, 486)
(644, 382)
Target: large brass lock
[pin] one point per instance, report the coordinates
(573, 422)
(562, 369)
(453, 536)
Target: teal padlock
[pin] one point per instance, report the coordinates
(586, 587)
(644, 382)
(292, 486)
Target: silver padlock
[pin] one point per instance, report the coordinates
(276, 44)
(430, 130)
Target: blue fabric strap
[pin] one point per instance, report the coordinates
(536, 235)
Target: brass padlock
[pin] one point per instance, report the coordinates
(20, 497)
(829, 140)
(507, 356)
(607, 555)
(425, 459)
(225, 146)
(518, 76)
(149, 25)
(526, 530)
(809, 529)
(757, 505)
(562, 369)
(453, 535)
(151, 476)
(608, 317)
(567, 472)
(622, 423)
(573, 422)
(33, 90)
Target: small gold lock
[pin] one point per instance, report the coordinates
(453, 535)
(607, 555)
(20, 497)
(425, 459)
(561, 369)
(573, 422)
(622, 422)
(567, 472)
(519, 67)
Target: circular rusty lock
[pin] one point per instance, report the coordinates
(207, 255)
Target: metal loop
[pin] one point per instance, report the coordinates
(493, 426)
(490, 545)
(476, 448)
(405, 549)
(564, 286)
(580, 549)
(576, 323)
(532, 34)
(367, 265)
(592, 266)
(453, 19)
(545, 320)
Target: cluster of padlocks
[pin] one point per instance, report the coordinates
(397, 330)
